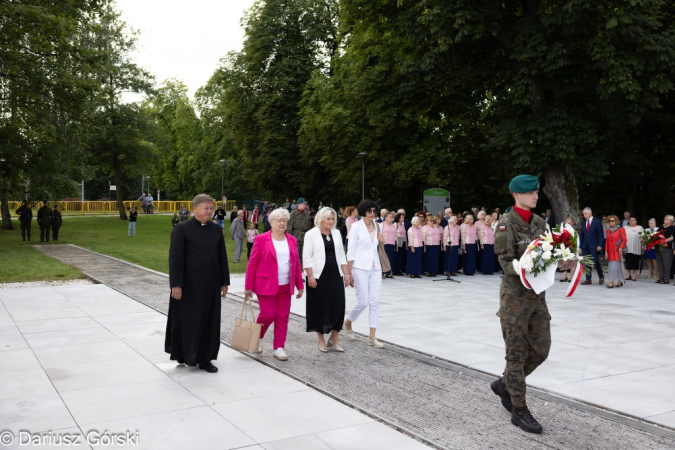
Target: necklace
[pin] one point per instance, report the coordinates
(327, 235)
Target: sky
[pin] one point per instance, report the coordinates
(184, 40)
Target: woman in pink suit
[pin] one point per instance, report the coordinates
(273, 273)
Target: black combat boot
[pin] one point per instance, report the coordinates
(522, 418)
(499, 388)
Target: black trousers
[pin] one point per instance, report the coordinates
(249, 246)
(44, 230)
(55, 232)
(25, 229)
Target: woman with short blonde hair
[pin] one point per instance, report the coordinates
(325, 264)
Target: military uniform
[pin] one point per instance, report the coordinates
(25, 214)
(524, 316)
(56, 224)
(298, 225)
(44, 218)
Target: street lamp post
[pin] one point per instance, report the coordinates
(363, 175)
(222, 180)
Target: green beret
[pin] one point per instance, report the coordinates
(301, 200)
(524, 183)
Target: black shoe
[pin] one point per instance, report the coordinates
(499, 388)
(209, 367)
(521, 417)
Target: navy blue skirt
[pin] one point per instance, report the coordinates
(470, 259)
(431, 259)
(487, 264)
(414, 263)
(451, 262)
(389, 250)
(400, 258)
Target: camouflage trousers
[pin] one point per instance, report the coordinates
(527, 334)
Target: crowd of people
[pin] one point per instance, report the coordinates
(450, 244)
(358, 248)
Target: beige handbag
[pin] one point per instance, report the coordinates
(246, 336)
(384, 259)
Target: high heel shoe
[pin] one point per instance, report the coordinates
(338, 348)
(619, 285)
(610, 287)
(323, 349)
(563, 280)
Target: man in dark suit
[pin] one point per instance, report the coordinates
(592, 241)
(550, 220)
(383, 216)
(446, 217)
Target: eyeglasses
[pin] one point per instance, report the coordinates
(371, 211)
(612, 220)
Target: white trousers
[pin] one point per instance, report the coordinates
(368, 285)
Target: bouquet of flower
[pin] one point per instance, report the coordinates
(651, 239)
(543, 255)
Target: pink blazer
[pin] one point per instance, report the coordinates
(262, 271)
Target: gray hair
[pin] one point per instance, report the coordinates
(448, 210)
(280, 214)
(401, 211)
(323, 214)
(480, 213)
(652, 219)
(452, 219)
(202, 198)
(240, 213)
(672, 219)
(415, 220)
(384, 210)
(588, 209)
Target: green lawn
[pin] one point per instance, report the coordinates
(21, 262)
(107, 235)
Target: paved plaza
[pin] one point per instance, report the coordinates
(614, 348)
(86, 359)
(96, 353)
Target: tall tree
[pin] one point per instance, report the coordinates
(261, 87)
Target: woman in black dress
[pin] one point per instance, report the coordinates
(325, 263)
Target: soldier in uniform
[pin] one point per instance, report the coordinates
(25, 214)
(524, 316)
(56, 223)
(44, 218)
(299, 223)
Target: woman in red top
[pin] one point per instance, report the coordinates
(616, 242)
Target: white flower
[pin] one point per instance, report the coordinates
(534, 254)
(548, 237)
(527, 263)
(546, 255)
(546, 246)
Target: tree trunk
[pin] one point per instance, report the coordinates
(6, 215)
(118, 184)
(561, 190)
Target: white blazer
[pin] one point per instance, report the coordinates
(314, 251)
(361, 249)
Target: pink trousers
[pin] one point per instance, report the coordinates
(275, 309)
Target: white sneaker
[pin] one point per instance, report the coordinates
(280, 354)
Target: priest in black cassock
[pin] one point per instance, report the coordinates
(199, 276)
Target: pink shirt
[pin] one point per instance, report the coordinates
(349, 221)
(250, 235)
(451, 235)
(415, 237)
(486, 235)
(468, 233)
(400, 231)
(389, 233)
(431, 235)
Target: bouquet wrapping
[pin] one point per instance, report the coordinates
(538, 264)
